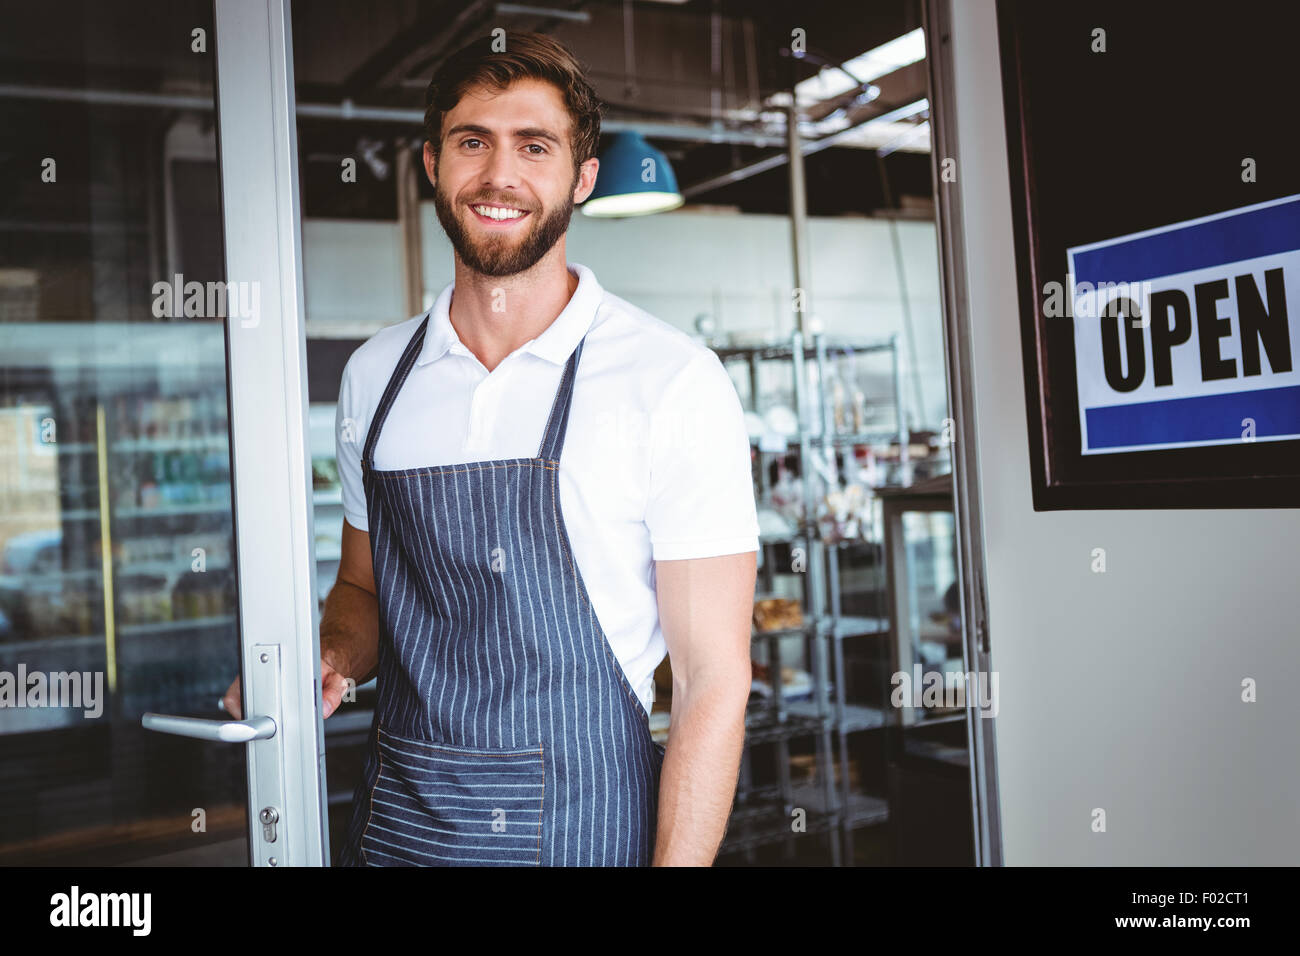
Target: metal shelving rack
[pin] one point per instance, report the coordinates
(764, 813)
(829, 809)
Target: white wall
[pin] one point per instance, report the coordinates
(352, 277)
(745, 260)
(1119, 690)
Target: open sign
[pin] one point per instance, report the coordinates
(1205, 352)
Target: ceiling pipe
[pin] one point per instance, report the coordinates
(681, 132)
(807, 148)
(629, 53)
(686, 132)
(524, 10)
(105, 97)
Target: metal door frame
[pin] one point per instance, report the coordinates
(985, 806)
(257, 143)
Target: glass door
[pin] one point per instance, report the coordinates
(155, 536)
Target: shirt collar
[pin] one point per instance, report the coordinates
(555, 344)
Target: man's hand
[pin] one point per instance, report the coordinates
(349, 628)
(333, 686)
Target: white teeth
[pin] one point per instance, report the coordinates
(496, 212)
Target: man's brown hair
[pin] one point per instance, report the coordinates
(526, 56)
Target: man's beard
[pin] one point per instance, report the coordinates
(500, 255)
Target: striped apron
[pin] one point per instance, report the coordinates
(505, 732)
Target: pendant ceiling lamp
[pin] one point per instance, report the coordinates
(634, 179)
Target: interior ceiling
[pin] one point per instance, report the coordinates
(698, 67)
(700, 82)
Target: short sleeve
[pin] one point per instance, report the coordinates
(349, 433)
(701, 493)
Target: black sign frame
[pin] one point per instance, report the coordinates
(1184, 161)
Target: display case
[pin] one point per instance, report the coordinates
(116, 535)
(925, 603)
(327, 496)
(116, 581)
(928, 758)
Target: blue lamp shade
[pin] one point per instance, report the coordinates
(634, 179)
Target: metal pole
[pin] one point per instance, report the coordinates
(900, 405)
(816, 592)
(408, 218)
(798, 219)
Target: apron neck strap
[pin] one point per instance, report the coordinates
(558, 422)
(404, 365)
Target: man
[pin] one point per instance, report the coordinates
(545, 488)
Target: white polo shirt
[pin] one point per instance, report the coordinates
(655, 464)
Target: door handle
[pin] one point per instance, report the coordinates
(272, 842)
(225, 731)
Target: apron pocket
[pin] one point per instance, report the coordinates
(439, 805)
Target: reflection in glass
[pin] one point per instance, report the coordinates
(117, 586)
(934, 607)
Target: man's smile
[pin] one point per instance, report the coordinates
(497, 215)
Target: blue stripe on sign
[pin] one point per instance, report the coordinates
(1249, 235)
(1276, 411)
